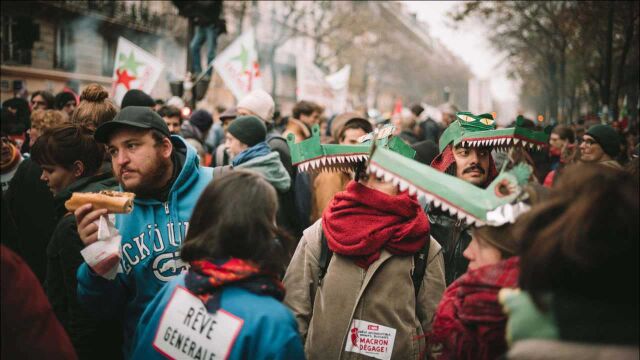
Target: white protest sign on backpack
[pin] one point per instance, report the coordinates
(188, 330)
(370, 339)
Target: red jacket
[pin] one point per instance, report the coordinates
(30, 329)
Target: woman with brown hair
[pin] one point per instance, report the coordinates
(577, 248)
(228, 304)
(95, 107)
(469, 323)
(70, 159)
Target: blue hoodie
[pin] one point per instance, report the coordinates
(260, 327)
(151, 238)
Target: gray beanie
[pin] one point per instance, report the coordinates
(248, 129)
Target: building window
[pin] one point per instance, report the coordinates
(18, 35)
(65, 49)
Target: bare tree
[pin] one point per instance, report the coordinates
(570, 48)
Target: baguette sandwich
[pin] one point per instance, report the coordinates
(114, 201)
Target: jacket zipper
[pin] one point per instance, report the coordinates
(455, 238)
(166, 208)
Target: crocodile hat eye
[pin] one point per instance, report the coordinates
(487, 121)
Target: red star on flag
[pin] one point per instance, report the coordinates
(124, 78)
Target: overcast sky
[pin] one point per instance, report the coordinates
(469, 42)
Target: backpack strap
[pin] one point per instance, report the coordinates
(219, 170)
(419, 266)
(325, 257)
(275, 137)
(220, 156)
(419, 263)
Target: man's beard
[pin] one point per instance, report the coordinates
(148, 185)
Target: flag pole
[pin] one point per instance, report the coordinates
(204, 72)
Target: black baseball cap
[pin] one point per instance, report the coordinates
(140, 117)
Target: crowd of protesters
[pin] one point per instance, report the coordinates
(232, 251)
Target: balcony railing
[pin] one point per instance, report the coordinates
(133, 15)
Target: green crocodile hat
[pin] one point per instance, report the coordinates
(496, 205)
(311, 155)
(480, 130)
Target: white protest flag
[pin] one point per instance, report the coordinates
(133, 68)
(311, 83)
(339, 82)
(238, 66)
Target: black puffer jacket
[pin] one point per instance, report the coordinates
(453, 235)
(28, 217)
(91, 338)
(202, 12)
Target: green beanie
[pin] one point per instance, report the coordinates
(248, 129)
(607, 137)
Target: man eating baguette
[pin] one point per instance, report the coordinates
(166, 178)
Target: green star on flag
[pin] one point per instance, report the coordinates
(130, 63)
(243, 57)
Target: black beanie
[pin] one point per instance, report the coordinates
(135, 97)
(248, 129)
(607, 137)
(202, 120)
(63, 98)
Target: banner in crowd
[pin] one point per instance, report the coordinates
(238, 66)
(430, 112)
(339, 82)
(313, 85)
(134, 68)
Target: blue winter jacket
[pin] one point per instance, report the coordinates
(267, 329)
(151, 238)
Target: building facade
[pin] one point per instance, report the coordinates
(49, 45)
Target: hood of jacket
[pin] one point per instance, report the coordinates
(271, 168)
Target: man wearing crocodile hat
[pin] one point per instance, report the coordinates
(470, 163)
(465, 152)
(370, 255)
(473, 164)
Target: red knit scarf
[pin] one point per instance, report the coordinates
(469, 322)
(445, 159)
(359, 222)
